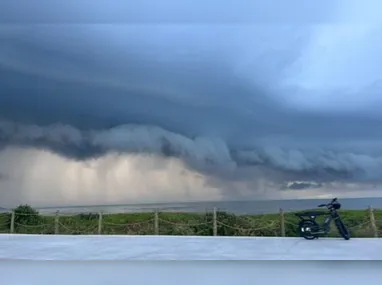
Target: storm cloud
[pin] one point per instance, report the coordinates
(231, 102)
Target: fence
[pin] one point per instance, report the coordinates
(363, 223)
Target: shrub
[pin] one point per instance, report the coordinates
(25, 215)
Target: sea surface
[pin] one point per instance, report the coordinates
(237, 207)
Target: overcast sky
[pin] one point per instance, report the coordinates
(222, 111)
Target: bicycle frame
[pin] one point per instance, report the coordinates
(332, 215)
(326, 224)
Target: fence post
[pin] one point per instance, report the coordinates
(156, 223)
(282, 223)
(100, 216)
(12, 230)
(56, 223)
(372, 221)
(214, 223)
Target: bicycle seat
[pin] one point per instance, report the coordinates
(311, 213)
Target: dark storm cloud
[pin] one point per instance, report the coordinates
(165, 11)
(3, 177)
(301, 185)
(189, 92)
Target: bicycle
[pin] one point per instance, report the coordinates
(310, 229)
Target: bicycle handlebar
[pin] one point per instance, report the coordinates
(329, 204)
(334, 200)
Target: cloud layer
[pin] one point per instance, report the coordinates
(233, 103)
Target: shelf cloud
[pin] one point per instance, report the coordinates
(229, 103)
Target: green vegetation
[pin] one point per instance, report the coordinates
(29, 221)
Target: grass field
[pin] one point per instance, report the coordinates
(358, 221)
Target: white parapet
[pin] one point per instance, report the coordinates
(61, 247)
(118, 260)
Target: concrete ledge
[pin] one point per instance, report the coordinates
(75, 248)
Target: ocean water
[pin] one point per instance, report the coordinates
(237, 207)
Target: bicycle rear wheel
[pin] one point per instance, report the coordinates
(306, 228)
